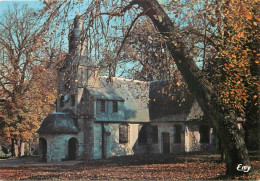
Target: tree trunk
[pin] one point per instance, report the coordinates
(12, 148)
(21, 148)
(223, 119)
(16, 148)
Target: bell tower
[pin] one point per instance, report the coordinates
(76, 38)
(77, 71)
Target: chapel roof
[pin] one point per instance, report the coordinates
(105, 94)
(135, 94)
(58, 123)
(167, 101)
(146, 101)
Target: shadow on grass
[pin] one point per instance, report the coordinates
(153, 159)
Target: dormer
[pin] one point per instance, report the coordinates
(108, 104)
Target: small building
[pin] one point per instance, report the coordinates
(58, 134)
(100, 117)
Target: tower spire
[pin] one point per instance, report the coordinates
(76, 45)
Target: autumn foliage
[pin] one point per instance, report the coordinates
(236, 54)
(27, 77)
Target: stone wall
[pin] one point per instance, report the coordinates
(57, 146)
(87, 104)
(88, 139)
(111, 141)
(168, 128)
(81, 139)
(97, 143)
(114, 148)
(192, 139)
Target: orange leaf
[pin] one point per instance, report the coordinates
(248, 16)
(240, 35)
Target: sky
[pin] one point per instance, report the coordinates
(36, 4)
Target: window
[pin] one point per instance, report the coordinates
(154, 134)
(72, 97)
(103, 106)
(115, 106)
(177, 133)
(204, 134)
(142, 135)
(62, 101)
(123, 133)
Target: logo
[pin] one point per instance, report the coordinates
(242, 168)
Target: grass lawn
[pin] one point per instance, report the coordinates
(150, 167)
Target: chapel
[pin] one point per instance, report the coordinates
(99, 116)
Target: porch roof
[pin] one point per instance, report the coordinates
(58, 123)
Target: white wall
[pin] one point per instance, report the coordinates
(113, 147)
(109, 115)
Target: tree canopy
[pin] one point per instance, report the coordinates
(27, 75)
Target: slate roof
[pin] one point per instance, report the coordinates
(105, 94)
(167, 101)
(136, 96)
(146, 101)
(58, 123)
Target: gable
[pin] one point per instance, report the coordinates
(135, 95)
(195, 112)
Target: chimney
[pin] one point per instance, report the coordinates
(75, 44)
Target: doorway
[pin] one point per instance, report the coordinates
(72, 148)
(43, 149)
(166, 142)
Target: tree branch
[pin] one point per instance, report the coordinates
(126, 36)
